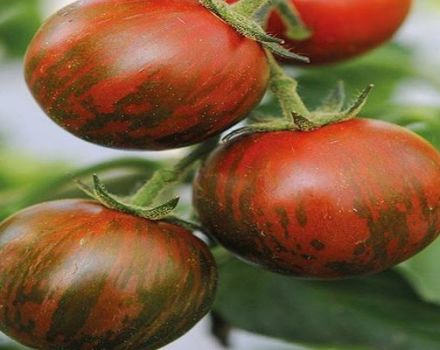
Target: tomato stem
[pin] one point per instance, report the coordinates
(249, 8)
(165, 177)
(296, 28)
(285, 89)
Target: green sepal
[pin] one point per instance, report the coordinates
(100, 193)
(245, 26)
(303, 123)
(359, 102)
(249, 28)
(335, 100)
(324, 116)
(268, 126)
(296, 29)
(282, 52)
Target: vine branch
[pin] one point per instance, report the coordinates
(163, 178)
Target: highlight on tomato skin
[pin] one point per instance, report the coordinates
(342, 29)
(146, 75)
(349, 199)
(77, 276)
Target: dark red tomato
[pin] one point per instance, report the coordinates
(342, 29)
(149, 75)
(348, 199)
(77, 276)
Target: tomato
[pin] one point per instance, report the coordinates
(145, 75)
(348, 199)
(76, 275)
(342, 29)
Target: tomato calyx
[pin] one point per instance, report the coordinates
(298, 122)
(240, 17)
(296, 116)
(333, 108)
(100, 193)
(143, 202)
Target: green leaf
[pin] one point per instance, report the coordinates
(381, 312)
(19, 20)
(335, 100)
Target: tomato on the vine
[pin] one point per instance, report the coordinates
(342, 29)
(75, 275)
(348, 199)
(145, 75)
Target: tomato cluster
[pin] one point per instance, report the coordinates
(346, 199)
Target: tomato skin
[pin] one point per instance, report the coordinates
(348, 199)
(76, 275)
(147, 75)
(342, 29)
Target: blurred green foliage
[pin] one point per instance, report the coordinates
(19, 19)
(28, 181)
(380, 312)
(434, 4)
(30, 172)
(422, 272)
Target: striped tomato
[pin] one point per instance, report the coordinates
(77, 276)
(348, 199)
(342, 29)
(148, 75)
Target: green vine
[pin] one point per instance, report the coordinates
(161, 179)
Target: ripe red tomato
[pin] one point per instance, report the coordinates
(147, 75)
(348, 199)
(342, 29)
(77, 276)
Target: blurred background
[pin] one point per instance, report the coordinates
(396, 310)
